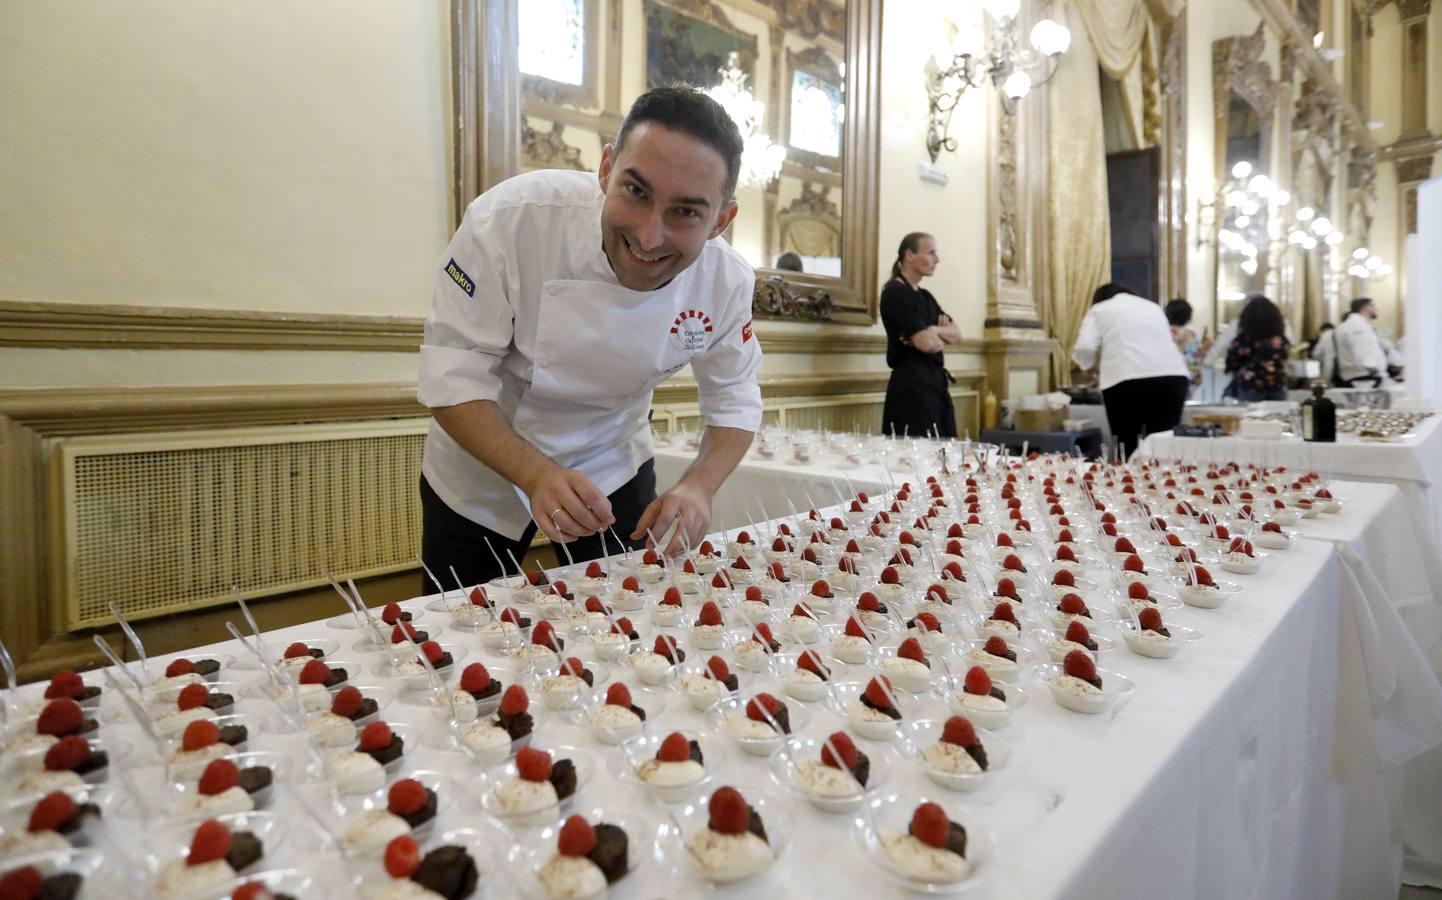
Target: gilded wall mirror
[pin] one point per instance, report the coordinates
(800, 76)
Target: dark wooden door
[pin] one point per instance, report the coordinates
(1132, 186)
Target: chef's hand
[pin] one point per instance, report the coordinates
(566, 505)
(689, 502)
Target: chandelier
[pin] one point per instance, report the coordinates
(1013, 69)
(760, 159)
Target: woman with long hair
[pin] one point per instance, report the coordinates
(1257, 359)
(918, 396)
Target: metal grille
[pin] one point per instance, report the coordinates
(174, 525)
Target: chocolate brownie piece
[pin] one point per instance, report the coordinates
(1010, 654)
(890, 711)
(563, 778)
(337, 677)
(87, 726)
(99, 759)
(640, 713)
(234, 735)
(977, 752)
(956, 838)
(998, 693)
(75, 822)
(390, 752)
(443, 662)
(489, 690)
(517, 726)
(609, 854)
(90, 692)
(420, 637)
(368, 707)
(448, 871)
(216, 701)
(255, 778)
(206, 667)
(679, 657)
(753, 823)
(425, 813)
(589, 677)
(695, 750)
(64, 886)
(245, 850)
(1161, 631)
(862, 770)
(733, 684)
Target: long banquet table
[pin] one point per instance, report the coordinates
(1263, 761)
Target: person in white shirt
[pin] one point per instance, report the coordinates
(1324, 351)
(1361, 358)
(563, 300)
(1143, 377)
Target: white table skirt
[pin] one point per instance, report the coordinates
(1248, 766)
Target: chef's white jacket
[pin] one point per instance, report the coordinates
(527, 313)
(1133, 338)
(1359, 348)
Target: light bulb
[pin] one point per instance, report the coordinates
(1334, 238)
(1016, 85)
(1357, 272)
(1003, 10)
(1243, 221)
(1309, 243)
(1251, 208)
(1322, 226)
(1260, 184)
(1305, 214)
(1361, 253)
(1236, 198)
(1282, 198)
(1296, 237)
(1384, 271)
(1241, 169)
(1249, 266)
(1374, 263)
(1050, 38)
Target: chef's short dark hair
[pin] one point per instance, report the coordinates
(1360, 304)
(1108, 291)
(690, 111)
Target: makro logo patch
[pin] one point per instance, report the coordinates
(459, 276)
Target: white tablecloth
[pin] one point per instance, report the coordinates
(1248, 766)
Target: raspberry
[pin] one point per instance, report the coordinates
(594, 605)
(59, 718)
(1150, 619)
(509, 614)
(474, 678)
(809, 554)
(1138, 591)
(1072, 605)
(622, 626)
(1065, 537)
(996, 646)
(514, 701)
(1064, 578)
(67, 755)
(296, 650)
(716, 668)
(402, 857)
(777, 572)
(220, 776)
(959, 730)
(889, 575)
(649, 558)
(762, 705)
(1004, 540)
(52, 812)
(544, 634)
(478, 597)
(1005, 587)
(375, 736)
(930, 826)
(977, 681)
(675, 748)
(1124, 546)
(672, 597)
(22, 884)
(629, 583)
(402, 632)
(740, 563)
(618, 695)
(536, 578)
(727, 812)
(1079, 665)
(1221, 533)
(852, 546)
(953, 548)
(533, 764)
(911, 649)
(315, 672)
(1266, 526)
(879, 691)
(763, 631)
(844, 748)
(1012, 563)
(952, 570)
(902, 556)
(433, 652)
(868, 602)
(211, 842)
(1240, 545)
(347, 702)
(719, 581)
(954, 531)
(754, 595)
(199, 734)
(855, 629)
(907, 538)
(710, 614)
(253, 890)
(577, 837)
(812, 663)
(706, 549)
(821, 589)
(65, 684)
(569, 666)
(848, 564)
(392, 613)
(1133, 563)
(779, 545)
(406, 797)
(594, 570)
(1203, 576)
(1077, 633)
(1003, 612)
(180, 666)
(799, 610)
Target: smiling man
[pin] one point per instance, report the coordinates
(564, 299)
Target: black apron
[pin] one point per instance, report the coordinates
(918, 396)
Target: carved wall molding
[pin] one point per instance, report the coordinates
(817, 60)
(1414, 9)
(1237, 66)
(811, 18)
(707, 11)
(1006, 196)
(548, 149)
(1418, 168)
(778, 298)
(1172, 84)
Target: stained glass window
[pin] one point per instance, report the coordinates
(553, 39)
(816, 114)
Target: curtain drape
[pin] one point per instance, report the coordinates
(812, 237)
(1109, 34)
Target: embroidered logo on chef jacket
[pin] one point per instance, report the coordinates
(690, 329)
(461, 279)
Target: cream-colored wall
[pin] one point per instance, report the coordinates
(279, 156)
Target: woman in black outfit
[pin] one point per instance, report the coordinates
(918, 396)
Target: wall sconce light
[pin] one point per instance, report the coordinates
(963, 62)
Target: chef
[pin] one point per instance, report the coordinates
(563, 300)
